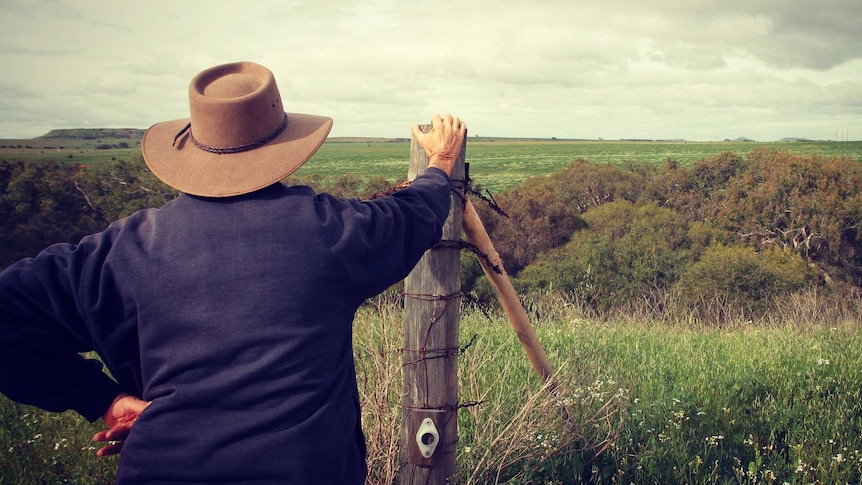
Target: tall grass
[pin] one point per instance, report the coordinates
(643, 400)
(771, 401)
(510, 425)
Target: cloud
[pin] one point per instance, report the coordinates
(566, 68)
(784, 34)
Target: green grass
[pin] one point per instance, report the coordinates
(496, 165)
(746, 404)
(741, 406)
(41, 447)
(502, 164)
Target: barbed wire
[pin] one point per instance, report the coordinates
(416, 356)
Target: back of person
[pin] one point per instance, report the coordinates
(254, 357)
(225, 317)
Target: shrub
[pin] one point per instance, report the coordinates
(808, 205)
(544, 211)
(586, 185)
(693, 191)
(626, 251)
(585, 267)
(737, 277)
(538, 220)
(39, 206)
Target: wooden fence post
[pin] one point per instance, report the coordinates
(432, 296)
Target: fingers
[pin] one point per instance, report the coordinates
(448, 122)
(115, 436)
(417, 132)
(112, 449)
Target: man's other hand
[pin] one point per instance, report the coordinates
(120, 417)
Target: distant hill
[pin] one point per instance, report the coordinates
(138, 134)
(96, 134)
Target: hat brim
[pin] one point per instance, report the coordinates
(194, 171)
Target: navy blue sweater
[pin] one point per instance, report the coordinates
(233, 316)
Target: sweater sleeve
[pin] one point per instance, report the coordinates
(42, 336)
(389, 235)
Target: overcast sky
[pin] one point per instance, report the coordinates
(658, 69)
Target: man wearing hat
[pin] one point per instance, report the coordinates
(225, 316)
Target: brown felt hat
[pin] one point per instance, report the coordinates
(238, 139)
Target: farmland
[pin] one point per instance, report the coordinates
(500, 164)
(738, 400)
(495, 163)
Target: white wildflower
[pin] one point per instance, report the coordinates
(713, 440)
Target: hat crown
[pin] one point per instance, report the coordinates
(234, 105)
(232, 86)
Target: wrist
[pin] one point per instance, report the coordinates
(109, 412)
(445, 164)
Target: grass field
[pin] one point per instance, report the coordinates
(496, 164)
(502, 164)
(745, 404)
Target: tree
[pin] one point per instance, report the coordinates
(538, 220)
(544, 211)
(39, 206)
(805, 204)
(695, 192)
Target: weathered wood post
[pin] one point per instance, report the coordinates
(432, 295)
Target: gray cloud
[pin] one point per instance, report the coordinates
(701, 69)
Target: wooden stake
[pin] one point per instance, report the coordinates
(432, 295)
(478, 236)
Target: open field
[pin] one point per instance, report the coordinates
(496, 164)
(502, 164)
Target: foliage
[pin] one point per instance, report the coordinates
(694, 191)
(656, 224)
(737, 277)
(45, 203)
(584, 185)
(809, 205)
(538, 220)
(625, 251)
(125, 187)
(40, 204)
(585, 267)
(544, 211)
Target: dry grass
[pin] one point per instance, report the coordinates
(515, 426)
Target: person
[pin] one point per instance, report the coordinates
(225, 316)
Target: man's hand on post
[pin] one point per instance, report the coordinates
(443, 143)
(119, 417)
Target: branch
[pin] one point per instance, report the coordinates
(90, 204)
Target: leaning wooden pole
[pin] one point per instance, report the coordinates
(478, 236)
(432, 294)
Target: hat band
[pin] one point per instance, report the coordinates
(235, 149)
